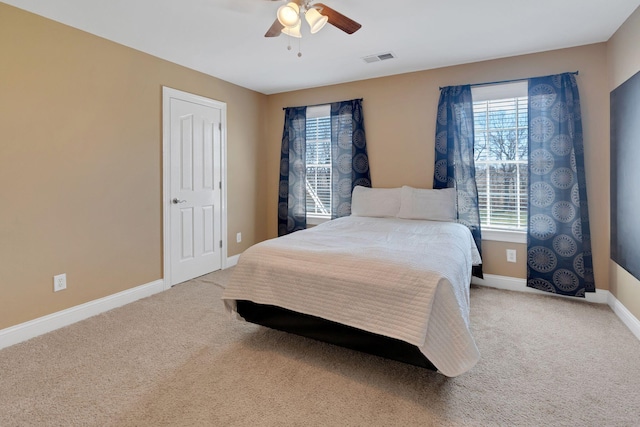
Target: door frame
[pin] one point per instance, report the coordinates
(167, 94)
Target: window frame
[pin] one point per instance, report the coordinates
(483, 93)
(316, 112)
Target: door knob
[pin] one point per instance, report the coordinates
(176, 201)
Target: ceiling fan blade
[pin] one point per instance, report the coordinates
(275, 30)
(337, 19)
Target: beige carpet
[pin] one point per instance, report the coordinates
(176, 359)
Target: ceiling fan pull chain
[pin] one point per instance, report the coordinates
(299, 48)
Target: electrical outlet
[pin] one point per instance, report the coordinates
(59, 282)
(239, 237)
(511, 255)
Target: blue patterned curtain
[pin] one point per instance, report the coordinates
(559, 241)
(350, 163)
(455, 165)
(292, 194)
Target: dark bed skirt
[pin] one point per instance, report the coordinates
(331, 332)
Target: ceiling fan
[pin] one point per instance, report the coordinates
(288, 19)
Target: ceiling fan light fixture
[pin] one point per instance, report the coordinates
(289, 14)
(293, 31)
(315, 20)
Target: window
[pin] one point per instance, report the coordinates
(500, 114)
(318, 162)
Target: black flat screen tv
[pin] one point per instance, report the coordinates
(625, 175)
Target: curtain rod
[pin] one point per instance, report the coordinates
(509, 81)
(325, 103)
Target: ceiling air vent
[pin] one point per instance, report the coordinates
(377, 58)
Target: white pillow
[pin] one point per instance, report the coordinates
(434, 205)
(375, 202)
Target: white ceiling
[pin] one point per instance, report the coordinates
(224, 38)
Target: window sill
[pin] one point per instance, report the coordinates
(315, 220)
(504, 236)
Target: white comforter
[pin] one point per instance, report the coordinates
(405, 279)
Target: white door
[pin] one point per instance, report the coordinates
(194, 196)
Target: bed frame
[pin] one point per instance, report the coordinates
(331, 332)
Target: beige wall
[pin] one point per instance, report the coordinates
(400, 123)
(623, 59)
(81, 164)
(81, 158)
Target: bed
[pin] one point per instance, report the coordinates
(394, 287)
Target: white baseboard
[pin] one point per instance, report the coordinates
(600, 297)
(625, 315)
(42, 325)
(520, 285)
(232, 260)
